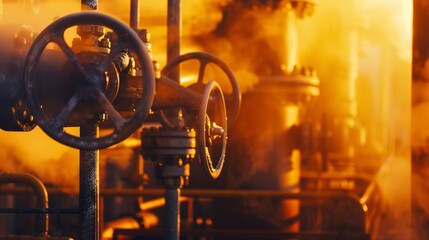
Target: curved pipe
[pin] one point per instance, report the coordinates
(38, 188)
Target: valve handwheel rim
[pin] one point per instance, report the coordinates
(123, 127)
(209, 131)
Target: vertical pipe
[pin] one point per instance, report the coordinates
(89, 5)
(139, 172)
(134, 14)
(172, 213)
(89, 187)
(289, 42)
(174, 22)
(174, 25)
(101, 215)
(324, 143)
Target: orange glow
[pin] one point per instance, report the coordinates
(36, 153)
(360, 49)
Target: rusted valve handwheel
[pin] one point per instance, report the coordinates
(212, 129)
(91, 91)
(233, 100)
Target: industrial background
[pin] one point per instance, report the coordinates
(216, 119)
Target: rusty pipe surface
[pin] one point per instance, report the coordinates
(170, 94)
(174, 28)
(89, 187)
(38, 188)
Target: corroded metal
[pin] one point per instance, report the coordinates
(174, 29)
(89, 187)
(158, 144)
(233, 99)
(91, 89)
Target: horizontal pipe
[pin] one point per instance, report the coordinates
(232, 193)
(40, 210)
(245, 234)
(157, 203)
(251, 193)
(21, 237)
(38, 188)
(203, 193)
(341, 176)
(170, 94)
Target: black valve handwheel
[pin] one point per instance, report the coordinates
(212, 130)
(92, 91)
(233, 100)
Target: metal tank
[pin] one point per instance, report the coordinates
(265, 145)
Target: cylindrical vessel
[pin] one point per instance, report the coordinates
(14, 44)
(263, 156)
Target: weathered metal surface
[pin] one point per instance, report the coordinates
(174, 28)
(89, 187)
(172, 213)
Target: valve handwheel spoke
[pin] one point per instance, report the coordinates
(212, 130)
(58, 38)
(58, 121)
(203, 65)
(114, 115)
(91, 91)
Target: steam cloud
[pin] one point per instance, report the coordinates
(378, 23)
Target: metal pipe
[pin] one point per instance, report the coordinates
(232, 193)
(359, 201)
(173, 46)
(134, 14)
(170, 94)
(89, 187)
(38, 188)
(242, 234)
(40, 210)
(314, 175)
(362, 205)
(205, 193)
(172, 213)
(324, 143)
(174, 28)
